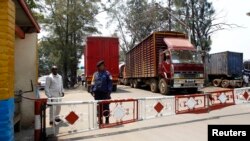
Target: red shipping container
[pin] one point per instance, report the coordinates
(101, 48)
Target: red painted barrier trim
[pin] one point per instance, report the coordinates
(135, 112)
(221, 105)
(195, 110)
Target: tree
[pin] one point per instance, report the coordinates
(68, 22)
(135, 20)
(32, 4)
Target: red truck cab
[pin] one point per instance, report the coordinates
(101, 48)
(180, 65)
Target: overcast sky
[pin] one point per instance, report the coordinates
(233, 11)
(235, 39)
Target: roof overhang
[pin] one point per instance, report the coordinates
(25, 21)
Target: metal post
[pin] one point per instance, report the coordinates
(37, 132)
(38, 120)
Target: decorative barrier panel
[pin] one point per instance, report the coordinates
(75, 116)
(195, 103)
(118, 112)
(153, 107)
(220, 99)
(242, 95)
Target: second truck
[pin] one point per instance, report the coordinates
(226, 69)
(101, 48)
(165, 60)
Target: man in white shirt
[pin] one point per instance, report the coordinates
(54, 89)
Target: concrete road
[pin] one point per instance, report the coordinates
(173, 128)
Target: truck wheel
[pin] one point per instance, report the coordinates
(225, 83)
(131, 83)
(126, 83)
(154, 86)
(114, 88)
(217, 82)
(136, 84)
(163, 86)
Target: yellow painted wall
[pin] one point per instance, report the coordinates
(7, 34)
(26, 70)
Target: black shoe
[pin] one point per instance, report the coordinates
(58, 120)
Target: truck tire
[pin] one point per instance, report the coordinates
(136, 84)
(163, 86)
(114, 88)
(217, 82)
(131, 82)
(225, 83)
(126, 83)
(154, 86)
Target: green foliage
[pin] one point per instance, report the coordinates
(199, 16)
(67, 23)
(31, 4)
(136, 19)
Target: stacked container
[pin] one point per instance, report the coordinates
(7, 39)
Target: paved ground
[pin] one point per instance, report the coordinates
(173, 128)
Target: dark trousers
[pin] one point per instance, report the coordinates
(102, 108)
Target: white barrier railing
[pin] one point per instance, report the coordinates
(152, 107)
(242, 95)
(75, 116)
(78, 116)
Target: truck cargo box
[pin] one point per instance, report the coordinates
(101, 48)
(226, 63)
(142, 61)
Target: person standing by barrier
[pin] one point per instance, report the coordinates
(101, 89)
(54, 89)
(245, 75)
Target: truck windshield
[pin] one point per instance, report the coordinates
(186, 56)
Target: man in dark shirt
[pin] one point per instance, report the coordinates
(101, 89)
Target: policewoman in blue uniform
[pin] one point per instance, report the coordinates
(101, 89)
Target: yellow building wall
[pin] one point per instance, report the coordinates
(7, 34)
(26, 70)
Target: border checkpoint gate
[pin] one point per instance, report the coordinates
(80, 116)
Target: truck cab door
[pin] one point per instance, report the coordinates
(165, 63)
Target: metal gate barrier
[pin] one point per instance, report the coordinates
(79, 116)
(75, 116)
(118, 112)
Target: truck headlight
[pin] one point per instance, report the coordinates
(177, 75)
(201, 75)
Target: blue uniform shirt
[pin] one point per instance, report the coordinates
(102, 82)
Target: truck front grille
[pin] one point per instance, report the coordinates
(189, 75)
